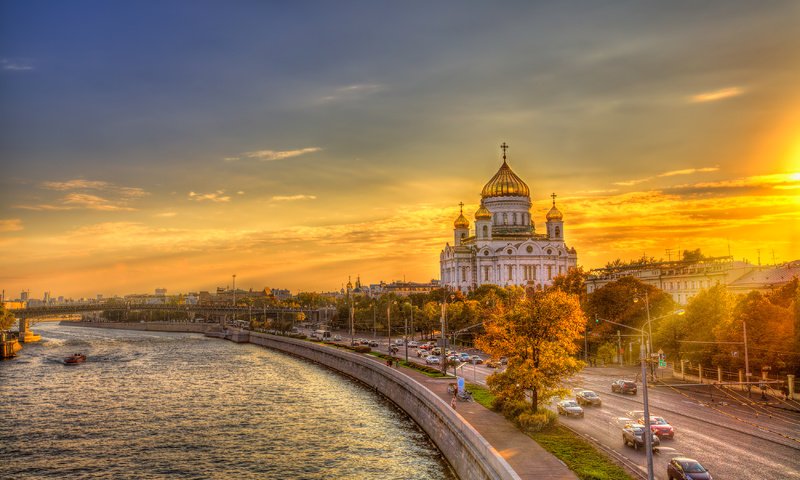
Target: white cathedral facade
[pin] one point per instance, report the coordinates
(504, 248)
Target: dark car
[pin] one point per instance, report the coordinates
(683, 468)
(588, 397)
(623, 386)
(632, 434)
(569, 408)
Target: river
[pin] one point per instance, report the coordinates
(158, 405)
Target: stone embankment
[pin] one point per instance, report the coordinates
(149, 326)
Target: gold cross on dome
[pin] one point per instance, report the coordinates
(461, 204)
(554, 199)
(504, 146)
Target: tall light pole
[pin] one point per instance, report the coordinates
(648, 434)
(374, 334)
(405, 334)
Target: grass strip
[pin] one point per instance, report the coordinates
(581, 457)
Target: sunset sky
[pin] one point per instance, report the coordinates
(174, 143)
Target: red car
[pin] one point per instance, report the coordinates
(660, 427)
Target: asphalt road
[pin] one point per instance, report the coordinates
(731, 435)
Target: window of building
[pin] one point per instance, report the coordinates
(505, 219)
(549, 270)
(514, 218)
(549, 251)
(509, 251)
(558, 231)
(485, 231)
(486, 274)
(529, 249)
(511, 272)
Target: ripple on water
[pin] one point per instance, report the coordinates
(149, 405)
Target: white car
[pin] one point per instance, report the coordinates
(413, 343)
(432, 360)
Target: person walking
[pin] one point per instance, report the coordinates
(453, 402)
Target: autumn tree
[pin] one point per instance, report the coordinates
(573, 282)
(537, 333)
(6, 318)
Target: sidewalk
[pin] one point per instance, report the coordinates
(525, 456)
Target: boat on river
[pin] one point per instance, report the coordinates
(75, 358)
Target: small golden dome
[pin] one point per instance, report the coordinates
(483, 213)
(461, 222)
(554, 213)
(505, 183)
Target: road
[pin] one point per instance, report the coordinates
(731, 435)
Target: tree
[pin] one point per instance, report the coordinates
(607, 352)
(537, 333)
(6, 318)
(573, 282)
(693, 255)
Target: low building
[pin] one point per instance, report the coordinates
(685, 279)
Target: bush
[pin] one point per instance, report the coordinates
(362, 349)
(530, 422)
(512, 409)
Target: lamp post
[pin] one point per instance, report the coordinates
(650, 329)
(444, 333)
(643, 359)
(405, 334)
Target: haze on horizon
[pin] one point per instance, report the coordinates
(151, 144)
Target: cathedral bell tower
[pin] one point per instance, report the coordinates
(555, 223)
(483, 223)
(461, 227)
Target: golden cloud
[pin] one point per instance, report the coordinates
(716, 95)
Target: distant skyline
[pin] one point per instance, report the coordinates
(172, 144)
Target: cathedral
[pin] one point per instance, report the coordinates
(504, 248)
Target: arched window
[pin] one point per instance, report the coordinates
(515, 218)
(485, 231)
(558, 231)
(505, 219)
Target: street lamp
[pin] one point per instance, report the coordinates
(647, 434)
(234, 298)
(444, 336)
(405, 331)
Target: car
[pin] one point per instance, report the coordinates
(399, 341)
(682, 468)
(588, 397)
(623, 386)
(436, 351)
(413, 343)
(465, 357)
(569, 408)
(477, 359)
(422, 353)
(373, 343)
(337, 338)
(503, 360)
(632, 435)
(660, 427)
(432, 360)
(492, 364)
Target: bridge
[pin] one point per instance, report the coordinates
(219, 313)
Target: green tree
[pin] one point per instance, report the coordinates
(607, 352)
(707, 313)
(537, 333)
(6, 318)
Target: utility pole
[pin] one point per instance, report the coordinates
(746, 358)
(405, 334)
(647, 434)
(619, 347)
(234, 297)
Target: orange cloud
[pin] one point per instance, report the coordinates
(716, 95)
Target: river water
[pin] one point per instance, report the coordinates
(172, 405)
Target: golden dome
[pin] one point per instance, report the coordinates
(483, 213)
(554, 213)
(505, 183)
(461, 221)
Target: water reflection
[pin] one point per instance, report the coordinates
(150, 405)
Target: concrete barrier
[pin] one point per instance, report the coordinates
(465, 449)
(148, 326)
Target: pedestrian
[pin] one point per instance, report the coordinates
(785, 391)
(453, 402)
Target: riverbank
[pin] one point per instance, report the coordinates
(150, 326)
